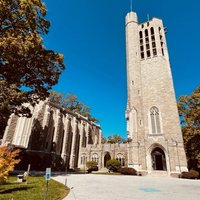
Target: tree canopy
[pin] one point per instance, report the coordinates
(71, 103)
(189, 111)
(27, 69)
(114, 139)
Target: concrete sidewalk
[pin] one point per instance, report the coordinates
(107, 187)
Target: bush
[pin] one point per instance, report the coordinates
(91, 164)
(192, 174)
(113, 165)
(92, 169)
(127, 171)
(8, 160)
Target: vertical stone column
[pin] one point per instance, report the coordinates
(65, 139)
(56, 120)
(10, 130)
(82, 127)
(73, 148)
(100, 136)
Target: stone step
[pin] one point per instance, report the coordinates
(103, 170)
(159, 173)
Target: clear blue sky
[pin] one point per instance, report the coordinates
(90, 34)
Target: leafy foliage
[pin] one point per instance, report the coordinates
(27, 69)
(111, 164)
(91, 164)
(114, 139)
(8, 160)
(127, 171)
(192, 174)
(72, 104)
(189, 111)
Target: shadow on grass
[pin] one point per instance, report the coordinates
(16, 189)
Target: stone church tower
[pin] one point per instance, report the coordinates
(153, 127)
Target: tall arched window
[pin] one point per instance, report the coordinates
(155, 120)
(95, 157)
(121, 159)
(83, 159)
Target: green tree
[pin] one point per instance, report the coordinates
(113, 164)
(27, 69)
(189, 111)
(91, 164)
(72, 103)
(116, 138)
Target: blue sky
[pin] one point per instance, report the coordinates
(91, 35)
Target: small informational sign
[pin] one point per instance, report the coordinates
(48, 174)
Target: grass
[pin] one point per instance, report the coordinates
(33, 189)
(107, 173)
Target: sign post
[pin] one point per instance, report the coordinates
(47, 177)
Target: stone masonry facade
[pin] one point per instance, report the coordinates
(70, 136)
(153, 125)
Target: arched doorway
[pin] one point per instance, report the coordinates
(106, 158)
(158, 159)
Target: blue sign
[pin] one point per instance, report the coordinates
(48, 174)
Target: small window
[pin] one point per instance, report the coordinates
(146, 33)
(148, 54)
(147, 40)
(154, 52)
(141, 48)
(163, 52)
(152, 31)
(153, 44)
(147, 23)
(153, 38)
(140, 34)
(142, 55)
(141, 41)
(147, 46)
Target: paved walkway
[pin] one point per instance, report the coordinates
(106, 187)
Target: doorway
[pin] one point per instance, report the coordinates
(158, 159)
(106, 158)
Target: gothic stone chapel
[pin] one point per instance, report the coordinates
(155, 140)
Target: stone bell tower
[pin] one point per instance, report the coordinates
(153, 127)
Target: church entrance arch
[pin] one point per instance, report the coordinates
(158, 159)
(106, 158)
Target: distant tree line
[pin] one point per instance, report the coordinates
(114, 139)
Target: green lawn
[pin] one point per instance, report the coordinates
(107, 173)
(33, 189)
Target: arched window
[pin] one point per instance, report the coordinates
(146, 33)
(152, 31)
(83, 159)
(95, 157)
(140, 34)
(155, 120)
(121, 159)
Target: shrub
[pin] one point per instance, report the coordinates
(192, 174)
(113, 165)
(91, 164)
(92, 169)
(127, 171)
(8, 159)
